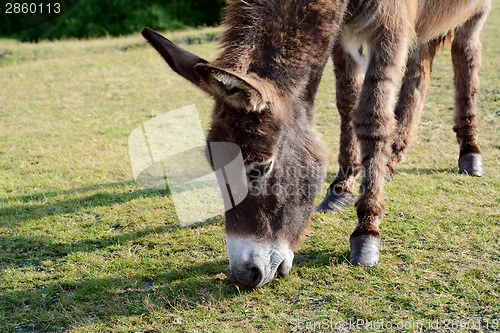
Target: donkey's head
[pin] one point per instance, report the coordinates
(282, 154)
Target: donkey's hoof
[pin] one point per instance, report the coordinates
(364, 250)
(471, 164)
(336, 202)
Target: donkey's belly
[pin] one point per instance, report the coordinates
(429, 18)
(436, 18)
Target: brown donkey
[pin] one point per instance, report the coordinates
(264, 83)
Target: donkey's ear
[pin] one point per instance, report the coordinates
(238, 91)
(181, 61)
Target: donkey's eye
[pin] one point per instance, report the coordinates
(259, 170)
(233, 91)
(256, 174)
(253, 174)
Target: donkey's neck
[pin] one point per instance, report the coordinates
(286, 42)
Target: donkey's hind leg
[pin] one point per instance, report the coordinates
(466, 56)
(411, 98)
(349, 78)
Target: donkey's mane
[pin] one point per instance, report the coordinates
(279, 40)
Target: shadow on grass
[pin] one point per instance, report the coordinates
(44, 195)
(17, 251)
(31, 250)
(59, 306)
(103, 300)
(35, 206)
(318, 258)
(330, 176)
(426, 171)
(62, 304)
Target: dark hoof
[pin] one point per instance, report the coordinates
(336, 202)
(471, 164)
(364, 250)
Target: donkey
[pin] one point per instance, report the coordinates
(264, 83)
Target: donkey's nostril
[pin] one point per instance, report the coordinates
(281, 270)
(251, 277)
(255, 276)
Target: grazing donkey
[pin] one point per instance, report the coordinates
(264, 83)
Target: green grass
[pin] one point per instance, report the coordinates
(83, 249)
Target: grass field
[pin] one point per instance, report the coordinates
(83, 249)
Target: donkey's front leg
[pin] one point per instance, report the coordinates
(349, 78)
(466, 56)
(374, 124)
(411, 98)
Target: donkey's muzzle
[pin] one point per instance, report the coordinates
(254, 264)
